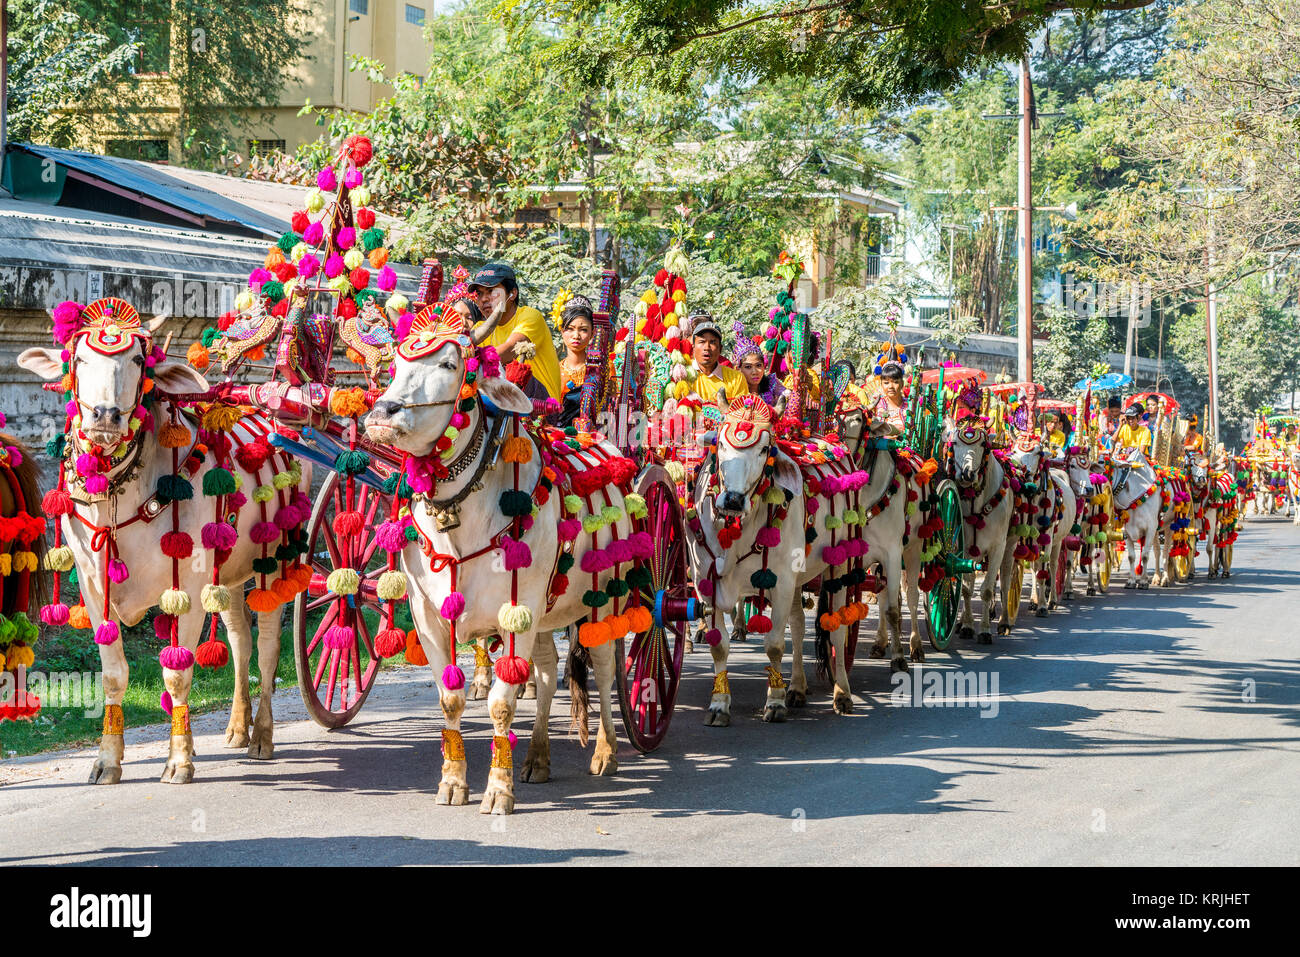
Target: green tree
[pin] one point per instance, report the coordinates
(1074, 348)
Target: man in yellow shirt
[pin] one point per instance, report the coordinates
(1133, 434)
(713, 377)
(495, 283)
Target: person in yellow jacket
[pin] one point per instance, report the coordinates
(494, 284)
(1193, 441)
(712, 377)
(1133, 434)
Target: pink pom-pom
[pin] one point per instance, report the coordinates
(287, 517)
(236, 500)
(264, 533)
(176, 658)
(569, 529)
(87, 464)
(834, 554)
(313, 234)
(516, 554)
(768, 537)
(67, 317)
(387, 279)
(771, 314)
(335, 266)
(390, 537)
(595, 561)
(352, 178)
(832, 485)
(619, 551)
(97, 484)
(308, 266)
(402, 328)
(326, 181)
(220, 536)
(643, 546)
(55, 614)
(117, 571)
(471, 364)
(347, 237)
(453, 606)
(705, 587)
(453, 679)
(339, 636)
(165, 701)
(713, 637)
(811, 506)
(260, 276)
(162, 626)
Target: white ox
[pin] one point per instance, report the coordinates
(987, 505)
(1092, 489)
(1136, 493)
(1060, 498)
(107, 387)
(411, 415)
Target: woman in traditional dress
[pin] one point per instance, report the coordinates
(576, 328)
(889, 406)
(749, 359)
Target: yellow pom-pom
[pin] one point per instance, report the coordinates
(263, 493)
(360, 196)
(610, 514)
(679, 295)
(391, 586)
(343, 581)
(517, 449)
(6, 564)
(676, 471)
(26, 562)
(174, 602)
(244, 301)
(773, 496)
(516, 619)
(353, 258)
(635, 505)
(283, 480)
(397, 303)
(215, 598)
(649, 297)
(20, 656)
(572, 504)
(59, 559)
(315, 200)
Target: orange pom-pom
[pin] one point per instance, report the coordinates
(414, 650)
(639, 618)
(517, 449)
(65, 384)
(197, 356)
(354, 356)
(828, 621)
(173, 435)
(78, 618)
(379, 258)
(256, 355)
(349, 403)
(263, 599)
(619, 626)
(593, 634)
(284, 589)
(274, 257)
(146, 387)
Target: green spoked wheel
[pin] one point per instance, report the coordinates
(941, 601)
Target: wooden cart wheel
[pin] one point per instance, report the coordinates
(1105, 558)
(649, 670)
(1181, 568)
(1014, 588)
(941, 601)
(335, 681)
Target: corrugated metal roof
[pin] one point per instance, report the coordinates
(159, 184)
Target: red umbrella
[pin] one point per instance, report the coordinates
(953, 374)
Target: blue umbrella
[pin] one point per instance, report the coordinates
(1111, 380)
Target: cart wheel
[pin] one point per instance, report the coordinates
(1105, 558)
(941, 601)
(1181, 567)
(1014, 588)
(335, 681)
(651, 668)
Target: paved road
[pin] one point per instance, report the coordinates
(1121, 737)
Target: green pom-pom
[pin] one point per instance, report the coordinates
(390, 484)
(54, 447)
(564, 564)
(372, 238)
(285, 552)
(273, 290)
(351, 462)
(265, 566)
(411, 532)
(466, 405)
(763, 578)
(288, 241)
(218, 482)
(595, 599)
(365, 295)
(471, 378)
(210, 335)
(638, 577)
(570, 430)
(617, 588)
(73, 577)
(515, 503)
(27, 630)
(174, 488)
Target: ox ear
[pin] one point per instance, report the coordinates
(788, 475)
(179, 378)
(44, 363)
(506, 396)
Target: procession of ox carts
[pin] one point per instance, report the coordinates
(421, 481)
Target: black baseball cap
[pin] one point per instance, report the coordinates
(493, 274)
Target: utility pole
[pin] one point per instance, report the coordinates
(1212, 326)
(1025, 281)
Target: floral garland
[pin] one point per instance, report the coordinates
(18, 633)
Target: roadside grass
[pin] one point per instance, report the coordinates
(68, 651)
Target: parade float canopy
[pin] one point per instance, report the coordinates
(953, 374)
(1111, 380)
(1056, 405)
(1169, 406)
(1007, 388)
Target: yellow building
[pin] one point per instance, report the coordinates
(389, 31)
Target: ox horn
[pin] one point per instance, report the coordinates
(486, 327)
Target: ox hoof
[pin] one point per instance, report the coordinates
(236, 737)
(261, 748)
(877, 651)
(966, 633)
(528, 692)
(918, 654)
(604, 765)
(1129, 585)
(452, 794)
(1032, 605)
(1143, 586)
(898, 663)
(479, 692)
(774, 712)
(1040, 611)
(102, 772)
(1226, 575)
(1091, 591)
(1003, 629)
(985, 638)
(795, 699)
(497, 802)
(536, 770)
(178, 772)
(843, 703)
(717, 719)
(739, 634)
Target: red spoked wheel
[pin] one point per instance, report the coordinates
(649, 668)
(335, 681)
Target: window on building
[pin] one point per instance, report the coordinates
(263, 147)
(359, 6)
(415, 14)
(152, 151)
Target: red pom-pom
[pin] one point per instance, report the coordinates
(56, 502)
(390, 642)
(252, 456)
(679, 284)
(365, 218)
(178, 545)
(212, 654)
(299, 222)
(759, 624)
(280, 309)
(347, 308)
(661, 277)
(359, 150)
(359, 277)
(226, 321)
(347, 524)
(621, 470)
(518, 373)
(512, 669)
(284, 271)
